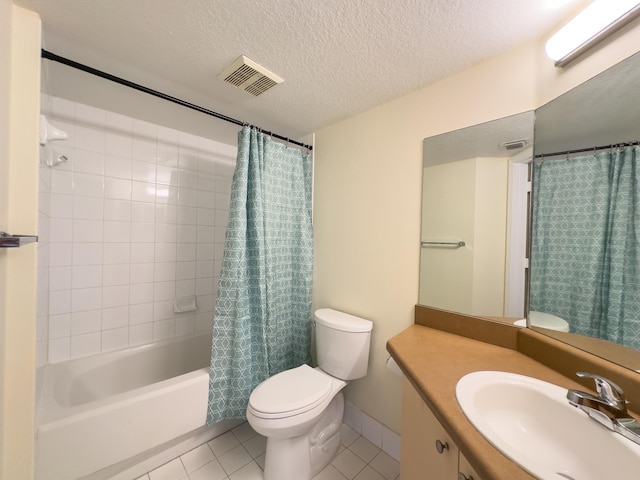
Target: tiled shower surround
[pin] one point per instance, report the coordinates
(134, 220)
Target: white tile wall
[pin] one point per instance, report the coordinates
(375, 432)
(134, 220)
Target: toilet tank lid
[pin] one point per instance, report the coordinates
(342, 321)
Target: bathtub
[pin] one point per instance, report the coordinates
(99, 411)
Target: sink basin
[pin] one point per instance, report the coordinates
(532, 423)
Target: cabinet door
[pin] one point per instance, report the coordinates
(465, 470)
(419, 455)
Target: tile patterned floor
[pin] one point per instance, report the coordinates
(239, 455)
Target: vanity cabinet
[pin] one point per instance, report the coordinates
(427, 451)
(465, 470)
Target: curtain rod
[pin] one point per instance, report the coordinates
(65, 61)
(584, 150)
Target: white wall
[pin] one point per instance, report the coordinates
(19, 85)
(137, 219)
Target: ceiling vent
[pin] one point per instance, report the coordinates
(514, 145)
(246, 74)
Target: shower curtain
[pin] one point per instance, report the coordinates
(262, 320)
(585, 263)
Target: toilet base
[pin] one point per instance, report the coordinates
(304, 456)
(287, 458)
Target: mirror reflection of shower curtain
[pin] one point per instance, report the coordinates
(585, 259)
(262, 321)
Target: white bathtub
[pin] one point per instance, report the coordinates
(97, 411)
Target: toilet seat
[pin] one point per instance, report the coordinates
(290, 393)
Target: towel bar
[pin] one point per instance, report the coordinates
(443, 244)
(13, 241)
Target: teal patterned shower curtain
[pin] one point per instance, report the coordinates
(585, 263)
(262, 321)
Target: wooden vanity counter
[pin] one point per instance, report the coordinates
(433, 360)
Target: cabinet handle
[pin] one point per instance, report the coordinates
(441, 447)
(462, 476)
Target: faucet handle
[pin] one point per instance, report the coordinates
(608, 390)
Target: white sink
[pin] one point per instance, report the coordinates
(532, 423)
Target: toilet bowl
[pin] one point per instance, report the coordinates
(545, 320)
(300, 410)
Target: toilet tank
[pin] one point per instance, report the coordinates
(342, 343)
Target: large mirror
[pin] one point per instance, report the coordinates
(475, 207)
(585, 230)
(474, 218)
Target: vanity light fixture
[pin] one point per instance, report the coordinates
(599, 20)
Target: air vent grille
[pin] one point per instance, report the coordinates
(261, 85)
(241, 75)
(515, 144)
(246, 74)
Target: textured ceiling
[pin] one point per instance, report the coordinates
(602, 111)
(337, 57)
(483, 140)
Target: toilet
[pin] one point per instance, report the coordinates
(300, 410)
(545, 320)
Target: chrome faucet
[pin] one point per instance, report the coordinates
(608, 408)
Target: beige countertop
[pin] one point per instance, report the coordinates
(434, 360)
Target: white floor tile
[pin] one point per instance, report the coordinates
(330, 473)
(210, 471)
(256, 445)
(241, 453)
(347, 435)
(260, 461)
(250, 471)
(244, 432)
(234, 459)
(169, 471)
(222, 444)
(197, 457)
(369, 473)
(386, 465)
(364, 449)
(348, 463)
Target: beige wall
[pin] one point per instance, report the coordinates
(465, 200)
(448, 207)
(368, 190)
(19, 90)
(490, 236)
(368, 177)
(5, 53)
(367, 205)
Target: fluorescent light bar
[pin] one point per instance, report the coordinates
(600, 19)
